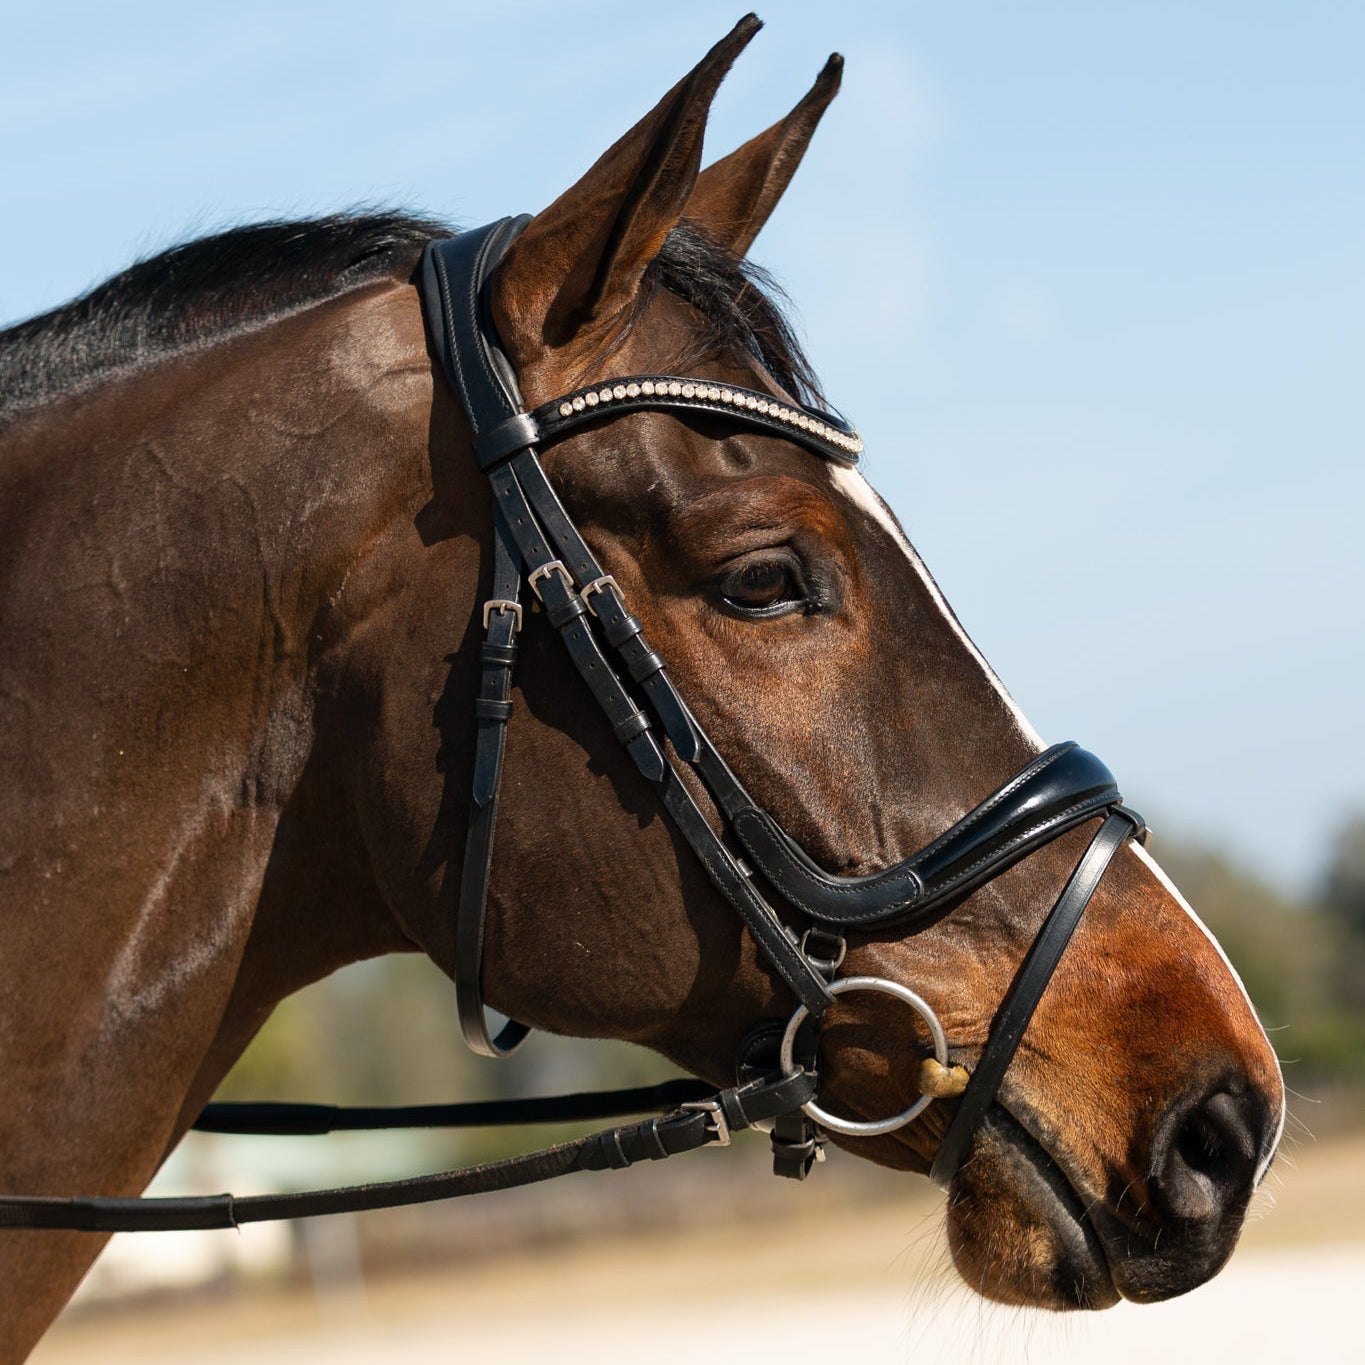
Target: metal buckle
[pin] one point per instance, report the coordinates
(826, 966)
(545, 570)
(597, 585)
(500, 605)
(718, 1125)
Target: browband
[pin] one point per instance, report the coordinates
(825, 433)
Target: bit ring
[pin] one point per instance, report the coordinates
(852, 1127)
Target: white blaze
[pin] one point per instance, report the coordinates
(863, 496)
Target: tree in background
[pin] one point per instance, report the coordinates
(1302, 958)
(1342, 897)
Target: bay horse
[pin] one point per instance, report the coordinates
(247, 552)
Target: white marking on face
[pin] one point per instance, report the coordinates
(864, 496)
(1171, 889)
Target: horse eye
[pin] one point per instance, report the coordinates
(764, 587)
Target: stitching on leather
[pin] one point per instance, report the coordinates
(875, 880)
(945, 889)
(880, 880)
(992, 803)
(456, 365)
(476, 294)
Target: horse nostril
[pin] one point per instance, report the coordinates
(1211, 1154)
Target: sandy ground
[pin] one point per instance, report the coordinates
(831, 1290)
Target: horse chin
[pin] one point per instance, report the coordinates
(1019, 1231)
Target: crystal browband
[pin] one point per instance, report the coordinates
(822, 432)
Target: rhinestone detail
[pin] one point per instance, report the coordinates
(702, 391)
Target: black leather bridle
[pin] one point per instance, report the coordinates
(1059, 790)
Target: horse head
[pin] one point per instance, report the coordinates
(815, 650)
(284, 540)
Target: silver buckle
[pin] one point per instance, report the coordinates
(718, 1125)
(829, 965)
(545, 570)
(597, 585)
(500, 605)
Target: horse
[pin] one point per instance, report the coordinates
(250, 563)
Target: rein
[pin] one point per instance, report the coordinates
(1057, 791)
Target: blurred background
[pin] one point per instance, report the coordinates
(1091, 282)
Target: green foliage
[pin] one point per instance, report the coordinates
(1343, 885)
(1302, 960)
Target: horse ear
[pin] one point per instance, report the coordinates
(734, 197)
(580, 262)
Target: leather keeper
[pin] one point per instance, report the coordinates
(621, 630)
(733, 1108)
(487, 709)
(505, 439)
(503, 655)
(652, 1141)
(635, 724)
(566, 612)
(615, 1153)
(645, 666)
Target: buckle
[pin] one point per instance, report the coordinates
(597, 585)
(501, 605)
(718, 1125)
(545, 570)
(824, 951)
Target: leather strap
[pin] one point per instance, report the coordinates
(825, 433)
(452, 273)
(1060, 789)
(298, 1120)
(1029, 984)
(566, 611)
(696, 1124)
(493, 709)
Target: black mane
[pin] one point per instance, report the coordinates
(741, 304)
(240, 279)
(201, 291)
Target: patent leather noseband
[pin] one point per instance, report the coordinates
(1059, 790)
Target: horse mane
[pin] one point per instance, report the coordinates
(742, 307)
(235, 281)
(199, 292)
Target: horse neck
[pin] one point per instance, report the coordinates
(183, 549)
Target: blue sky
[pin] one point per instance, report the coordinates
(1090, 278)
